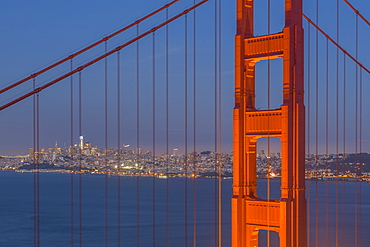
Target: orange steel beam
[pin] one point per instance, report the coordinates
(250, 213)
(39, 89)
(87, 48)
(357, 12)
(336, 44)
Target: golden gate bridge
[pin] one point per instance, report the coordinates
(160, 83)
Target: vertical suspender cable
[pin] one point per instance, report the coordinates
(337, 160)
(337, 138)
(36, 153)
(344, 149)
(118, 149)
(327, 147)
(268, 121)
(38, 165)
(186, 130)
(356, 140)
(106, 142)
(167, 148)
(194, 133)
(72, 155)
(80, 153)
(137, 139)
(360, 134)
(317, 128)
(153, 154)
(308, 134)
(215, 127)
(219, 125)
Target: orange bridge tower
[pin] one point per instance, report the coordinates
(251, 213)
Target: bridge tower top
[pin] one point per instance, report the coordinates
(251, 213)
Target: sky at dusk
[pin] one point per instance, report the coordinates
(38, 33)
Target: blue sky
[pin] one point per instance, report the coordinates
(37, 33)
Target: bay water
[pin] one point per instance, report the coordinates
(168, 202)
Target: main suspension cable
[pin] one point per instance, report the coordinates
(70, 57)
(138, 37)
(357, 12)
(336, 43)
